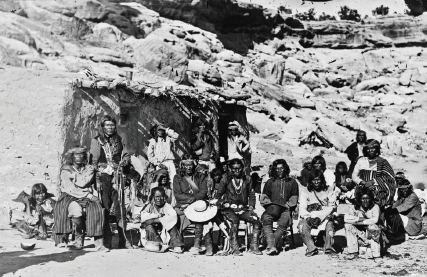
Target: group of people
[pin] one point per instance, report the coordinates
(375, 206)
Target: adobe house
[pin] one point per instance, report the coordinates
(44, 113)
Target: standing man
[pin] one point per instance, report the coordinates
(355, 150)
(279, 198)
(203, 146)
(238, 204)
(108, 154)
(160, 148)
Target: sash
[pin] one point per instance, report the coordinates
(193, 187)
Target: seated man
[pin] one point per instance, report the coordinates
(361, 227)
(188, 187)
(405, 211)
(76, 194)
(161, 179)
(238, 204)
(160, 217)
(279, 198)
(317, 202)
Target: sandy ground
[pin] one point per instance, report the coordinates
(407, 259)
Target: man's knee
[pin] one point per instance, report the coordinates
(303, 226)
(75, 210)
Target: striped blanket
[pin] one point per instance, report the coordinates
(384, 177)
(94, 216)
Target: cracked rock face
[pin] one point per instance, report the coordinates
(304, 78)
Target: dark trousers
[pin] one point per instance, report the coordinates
(246, 216)
(111, 204)
(153, 235)
(283, 221)
(307, 239)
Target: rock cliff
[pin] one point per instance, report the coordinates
(311, 83)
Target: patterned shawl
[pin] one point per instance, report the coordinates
(384, 177)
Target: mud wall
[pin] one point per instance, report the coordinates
(31, 134)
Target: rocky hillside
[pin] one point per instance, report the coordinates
(312, 83)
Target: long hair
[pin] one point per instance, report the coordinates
(37, 189)
(235, 162)
(153, 192)
(316, 173)
(403, 182)
(360, 191)
(321, 160)
(274, 167)
(187, 156)
(344, 166)
(215, 172)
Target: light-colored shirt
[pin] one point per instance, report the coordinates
(360, 217)
(362, 163)
(166, 215)
(77, 183)
(327, 199)
(161, 150)
(235, 146)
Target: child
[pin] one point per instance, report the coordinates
(38, 212)
(344, 185)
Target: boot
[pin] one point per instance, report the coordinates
(278, 235)
(78, 233)
(269, 237)
(329, 240)
(254, 248)
(234, 244)
(123, 241)
(209, 244)
(198, 235)
(99, 245)
(108, 235)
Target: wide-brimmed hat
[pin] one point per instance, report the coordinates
(154, 246)
(200, 211)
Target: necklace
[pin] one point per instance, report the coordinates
(238, 188)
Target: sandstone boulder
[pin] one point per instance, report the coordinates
(92, 10)
(311, 80)
(376, 83)
(107, 33)
(405, 78)
(389, 99)
(338, 136)
(163, 56)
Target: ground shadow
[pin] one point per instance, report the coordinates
(13, 261)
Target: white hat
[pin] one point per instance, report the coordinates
(200, 211)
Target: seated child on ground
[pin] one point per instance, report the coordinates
(38, 212)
